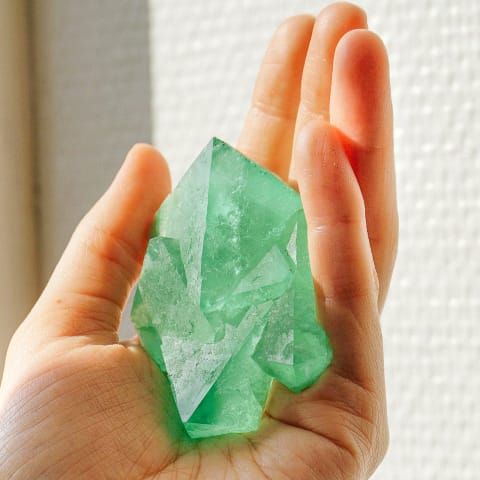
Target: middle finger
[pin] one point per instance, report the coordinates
(330, 26)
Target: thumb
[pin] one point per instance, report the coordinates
(89, 287)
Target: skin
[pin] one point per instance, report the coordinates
(77, 403)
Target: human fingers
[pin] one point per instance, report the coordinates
(340, 255)
(361, 108)
(88, 289)
(330, 26)
(267, 135)
(346, 407)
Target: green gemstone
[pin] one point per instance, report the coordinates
(226, 303)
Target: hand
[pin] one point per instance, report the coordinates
(76, 403)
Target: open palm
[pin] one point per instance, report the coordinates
(77, 403)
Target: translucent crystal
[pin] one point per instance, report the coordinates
(225, 302)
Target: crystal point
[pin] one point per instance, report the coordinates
(225, 303)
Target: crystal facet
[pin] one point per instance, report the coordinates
(226, 303)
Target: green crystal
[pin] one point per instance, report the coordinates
(226, 303)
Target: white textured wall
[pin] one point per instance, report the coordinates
(204, 59)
